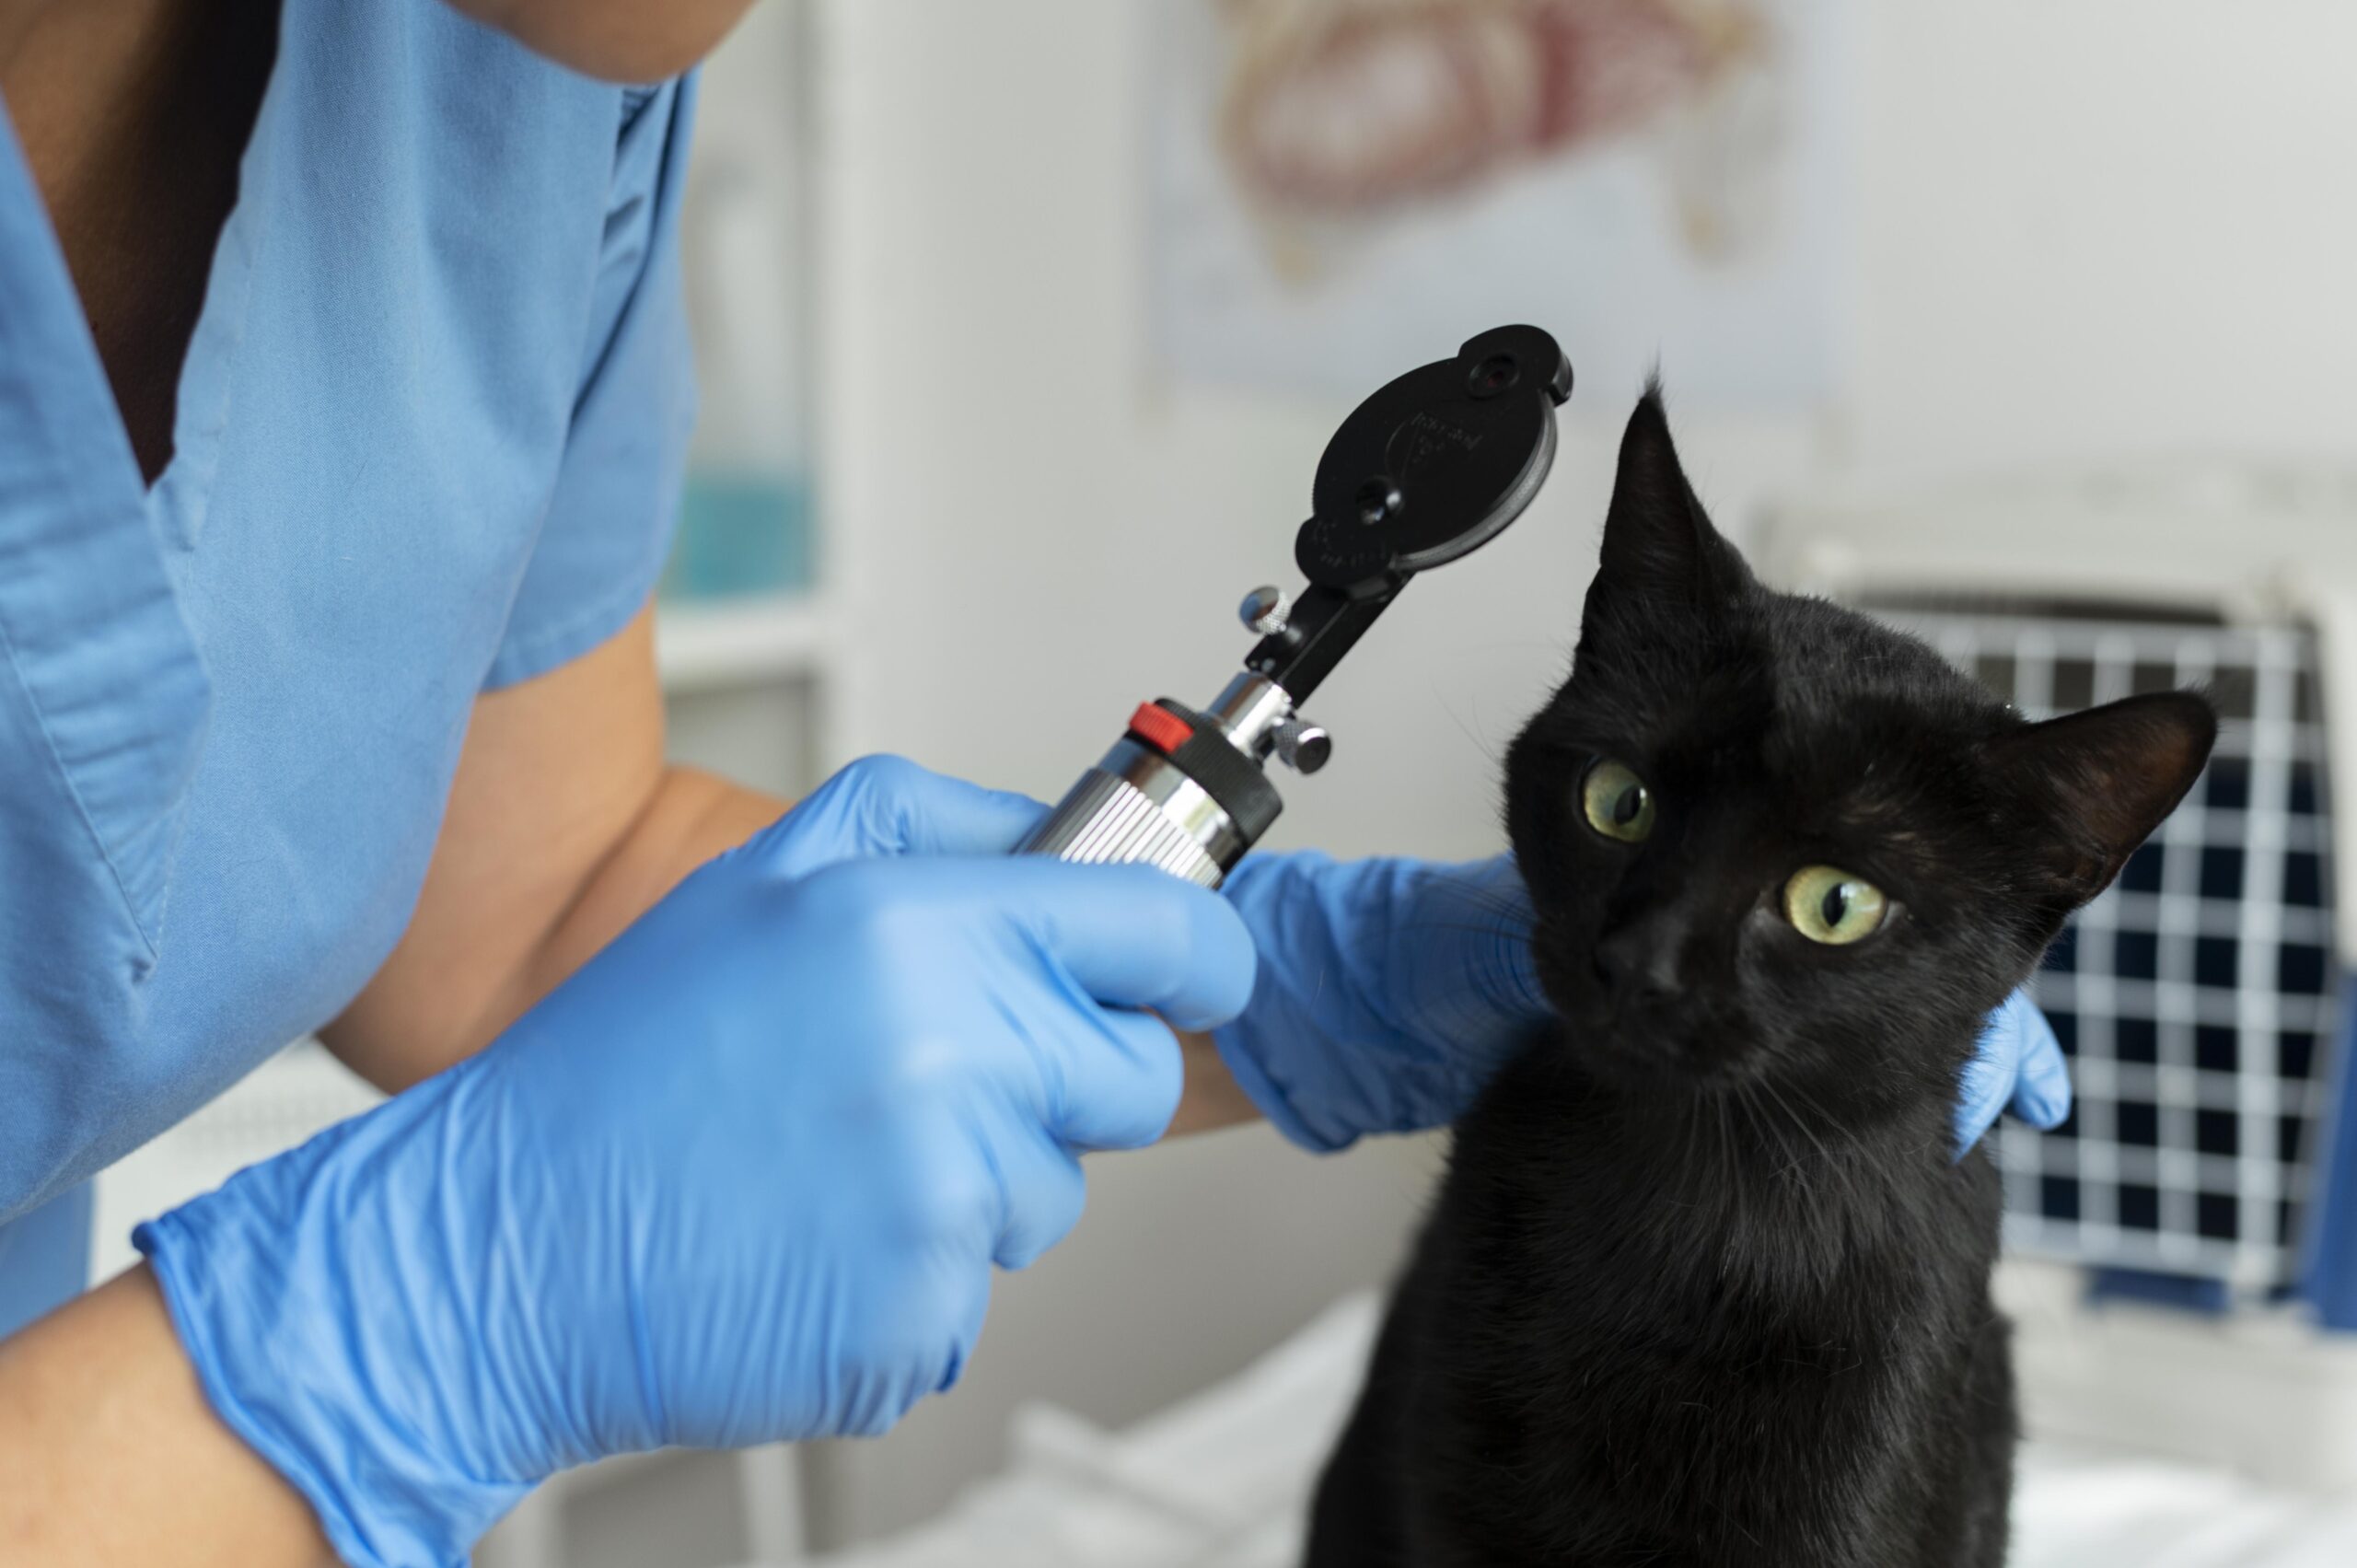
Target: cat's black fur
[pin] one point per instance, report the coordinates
(1706, 1285)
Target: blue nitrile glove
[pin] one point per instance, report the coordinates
(1390, 990)
(2021, 1068)
(742, 1178)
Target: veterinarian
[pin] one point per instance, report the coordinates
(343, 393)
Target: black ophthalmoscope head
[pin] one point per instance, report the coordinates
(1430, 467)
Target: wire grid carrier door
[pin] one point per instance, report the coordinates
(2196, 997)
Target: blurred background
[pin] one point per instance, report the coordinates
(1022, 324)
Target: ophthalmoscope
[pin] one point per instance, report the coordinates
(1429, 469)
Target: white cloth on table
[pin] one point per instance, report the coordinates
(1222, 1480)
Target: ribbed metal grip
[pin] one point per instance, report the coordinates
(1105, 819)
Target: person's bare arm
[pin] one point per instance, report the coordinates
(564, 824)
(622, 41)
(110, 1456)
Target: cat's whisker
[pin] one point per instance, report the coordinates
(1496, 908)
(1735, 1161)
(1487, 902)
(1489, 750)
(1843, 1173)
(1466, 929)
(1767, 1127)
(1728, 1155)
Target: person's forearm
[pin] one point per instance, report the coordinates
(1213, 1098)
(110, 1455)
(622, 41)
(690, 816)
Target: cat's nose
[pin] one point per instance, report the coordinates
(1637, 961)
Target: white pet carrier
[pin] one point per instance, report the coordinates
(2204, 1208)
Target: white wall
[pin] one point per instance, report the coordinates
(2107, 227)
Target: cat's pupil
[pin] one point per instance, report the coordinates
(1836, 903)
(1627, 805)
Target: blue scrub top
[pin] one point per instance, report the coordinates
(429, 440)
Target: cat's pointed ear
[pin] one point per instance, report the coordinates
(1659, 546)
(2095, 784)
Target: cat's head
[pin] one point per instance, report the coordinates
(1768, 837)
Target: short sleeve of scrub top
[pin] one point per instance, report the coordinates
(428, 441)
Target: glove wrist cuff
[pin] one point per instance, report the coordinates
(263, 1280)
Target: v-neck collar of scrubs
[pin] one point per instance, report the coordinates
(202, 387)
(81, 552)
(201, 404)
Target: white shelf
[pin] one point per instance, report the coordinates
(741, 641)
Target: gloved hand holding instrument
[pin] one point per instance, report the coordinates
(742, 1178)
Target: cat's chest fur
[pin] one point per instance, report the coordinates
(1708, 1339)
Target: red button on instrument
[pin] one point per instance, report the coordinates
(1159, 727)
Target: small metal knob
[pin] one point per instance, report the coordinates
(1264, 610)
(1301, 745)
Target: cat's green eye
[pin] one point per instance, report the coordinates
(1615, 802)
(1829, 905)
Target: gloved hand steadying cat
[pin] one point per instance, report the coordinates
(1390, 990)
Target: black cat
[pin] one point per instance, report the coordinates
(1706, 1284)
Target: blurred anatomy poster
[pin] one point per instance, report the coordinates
(1341, 188)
